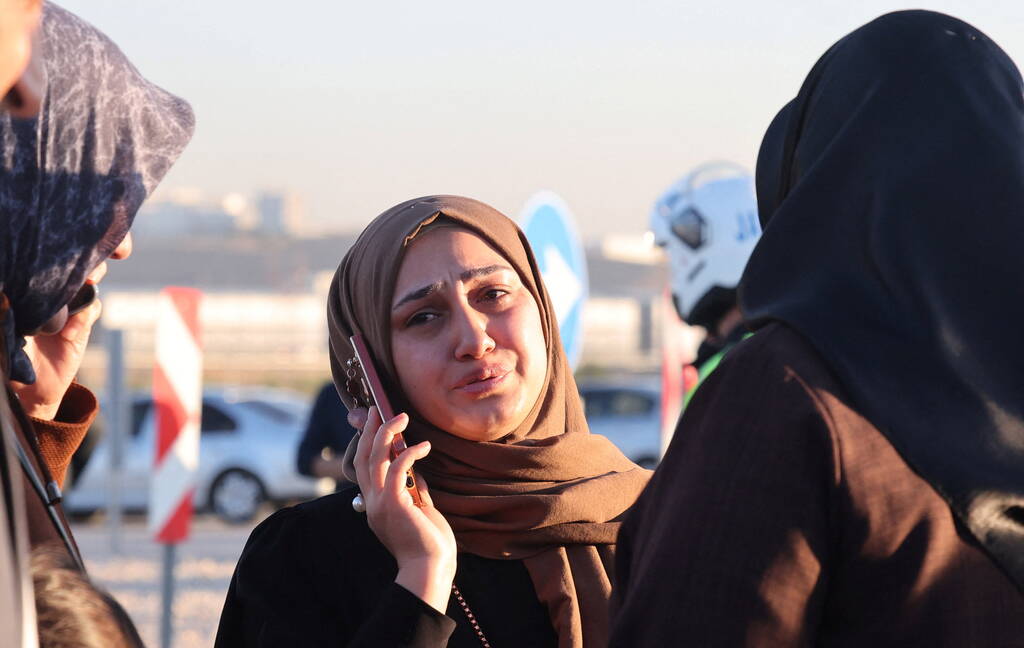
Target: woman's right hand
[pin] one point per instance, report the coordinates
(419, 538)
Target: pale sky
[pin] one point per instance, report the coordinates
(360, 105)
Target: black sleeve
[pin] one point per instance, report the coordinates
(403, 619)
(728, 545)
(295, 585)
(316, 437)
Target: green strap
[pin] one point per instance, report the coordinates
(705, 370)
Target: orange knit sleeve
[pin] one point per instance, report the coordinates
(59, 438)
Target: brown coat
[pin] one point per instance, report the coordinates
(781, 517)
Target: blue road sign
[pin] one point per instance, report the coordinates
(551, 231)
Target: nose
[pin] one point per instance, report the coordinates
(472, 340)
(124, 249)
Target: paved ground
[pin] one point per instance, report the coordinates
(204, 566)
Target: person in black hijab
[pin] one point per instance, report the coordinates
(853, 474)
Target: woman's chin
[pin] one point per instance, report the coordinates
(482, 426)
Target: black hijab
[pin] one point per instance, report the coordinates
(72, 179)
(892, 194)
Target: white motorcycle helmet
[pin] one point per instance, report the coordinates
(707, 223)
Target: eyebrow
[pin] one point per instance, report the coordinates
(428, 290)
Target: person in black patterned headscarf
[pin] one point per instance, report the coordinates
(75, 176)
(19, 22)
(71, 181)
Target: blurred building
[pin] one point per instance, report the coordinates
(184, 212)
(279, 214)
(173, 219)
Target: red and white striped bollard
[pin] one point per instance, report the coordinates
(178, 403)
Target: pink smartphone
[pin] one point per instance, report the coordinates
(374, 395)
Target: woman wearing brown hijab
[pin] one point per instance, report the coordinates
(515, 543)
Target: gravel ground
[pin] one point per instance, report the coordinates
(203, 569)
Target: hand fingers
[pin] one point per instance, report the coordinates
(94, 311)
(402, 464)
(79, 326)
(363, 447)
(357, 418)
(380, 454)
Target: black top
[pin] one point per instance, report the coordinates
(327, 428)
(316, 575)
(891, 191)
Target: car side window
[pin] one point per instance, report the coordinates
(216, 420)
(627, 403)
(140, 409)
(601, 403)
(595, 404)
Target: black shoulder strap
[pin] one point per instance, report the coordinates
(17, 608)
(44, 485)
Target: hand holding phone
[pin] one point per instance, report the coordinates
(420, 539)
(372, 394)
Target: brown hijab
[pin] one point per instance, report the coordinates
(550, 493)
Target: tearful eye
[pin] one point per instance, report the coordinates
(494, 293)
(421, 318)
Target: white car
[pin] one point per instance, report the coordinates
(248, 442)
(628, 413)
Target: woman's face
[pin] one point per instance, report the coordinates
(466, 336)
(18, 19)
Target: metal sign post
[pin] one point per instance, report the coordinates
(178, 399)
(676, 375)
(117, 425)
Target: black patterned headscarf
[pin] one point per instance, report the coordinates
(72, 179)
